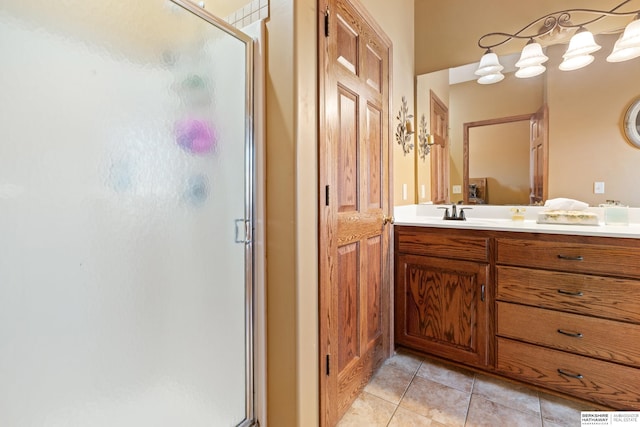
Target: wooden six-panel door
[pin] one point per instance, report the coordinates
(355, 206)
(440, 150)
(538, 156)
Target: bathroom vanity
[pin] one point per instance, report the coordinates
(553, 306)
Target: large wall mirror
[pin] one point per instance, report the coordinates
(586, 128)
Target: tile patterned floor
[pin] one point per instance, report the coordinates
(410, 391)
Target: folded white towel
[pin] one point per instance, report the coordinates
(565, 204)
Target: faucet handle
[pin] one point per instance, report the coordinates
(461, 214)
(446, 212)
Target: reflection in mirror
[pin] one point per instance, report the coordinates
(497, 180)
(586, 110)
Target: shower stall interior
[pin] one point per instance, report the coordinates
(126, 216)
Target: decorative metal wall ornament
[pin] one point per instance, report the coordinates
(425, 140)
(404, 130)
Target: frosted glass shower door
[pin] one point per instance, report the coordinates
(125, 206)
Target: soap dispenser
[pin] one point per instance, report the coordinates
(518, 214)
(615, 213)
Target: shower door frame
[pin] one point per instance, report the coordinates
(249, 220)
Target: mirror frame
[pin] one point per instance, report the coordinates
(631, 123)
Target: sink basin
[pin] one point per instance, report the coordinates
(479, 221)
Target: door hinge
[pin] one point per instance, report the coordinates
(326, 195)
(326, 22)
(327, 366)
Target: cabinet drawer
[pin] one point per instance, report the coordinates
(421, 241)
(602, 382)
(600, 338)
(610, 260)
(607, 297)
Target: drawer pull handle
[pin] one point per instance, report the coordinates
(573, 294)
(570, 334)
(571, 258)
(568, 374)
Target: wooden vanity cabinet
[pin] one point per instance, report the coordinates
(557, 311)
(568, 315)
(443, 293)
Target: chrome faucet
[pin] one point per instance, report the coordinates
(456, 214)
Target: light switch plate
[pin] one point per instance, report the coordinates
(598, 187)
(457, 189)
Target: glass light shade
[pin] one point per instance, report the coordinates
(489, 64)
(531, 55)
(620, 54)
(582, 43)
(530, 71)
(488, 79)
(631, 36)
(576, 62)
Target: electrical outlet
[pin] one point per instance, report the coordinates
(423, 191)
(598, 187)
(404, 192)
(457, 189)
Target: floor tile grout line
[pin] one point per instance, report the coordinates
(540, 408)
(405, 392)
(413, 373)
(466, 415)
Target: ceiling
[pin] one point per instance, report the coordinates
(447, 32)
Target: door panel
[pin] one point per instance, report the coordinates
(373, 146)
(374, 277)
(354, 185)
(348, 304)
(347, 151)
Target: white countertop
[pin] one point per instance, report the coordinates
(498, 218)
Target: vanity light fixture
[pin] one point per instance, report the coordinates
(628, 45)
(578, 54)
(425, 139)
(490, 68)
(404, 129)
(531, 60)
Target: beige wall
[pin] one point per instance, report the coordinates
(472, 102)
(282, 322)
(587, 144)
(292, 289)
(396, 18)
(438, 82)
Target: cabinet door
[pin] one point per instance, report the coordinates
(442, 307)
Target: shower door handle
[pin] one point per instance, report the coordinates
(243, 236)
